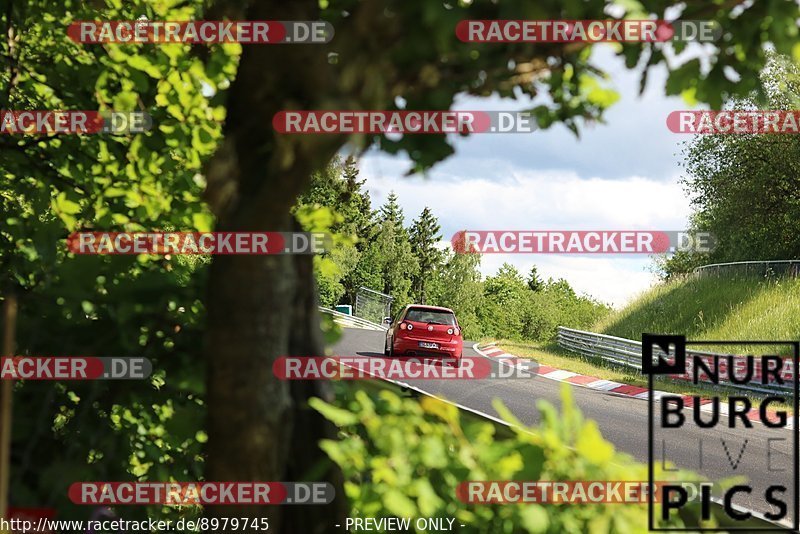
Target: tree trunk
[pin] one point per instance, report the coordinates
(264, 307)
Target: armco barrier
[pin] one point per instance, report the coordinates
(628, 353)
(352, 321)
(762, 269)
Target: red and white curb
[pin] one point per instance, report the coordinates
(618, 388)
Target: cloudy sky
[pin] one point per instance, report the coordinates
(622, 175)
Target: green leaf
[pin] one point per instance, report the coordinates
(125, 101)
(143, 63)
(337, 416)
(590, 444)
(534, 518)
(176, 111)
(112, 192)
(397, 503)
(202, 222)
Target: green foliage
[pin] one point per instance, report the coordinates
(395, 261)
(338, 188)
(385, 262)
(405, 458)
(512, 310)
(336, 204)
(331, 269)
(504, 299)
(392, 213)
(461, 290)
(678, 264)
(420, 59)
(145, 306)
(744, 188)
(111, 430)
(152, 306)
(535, 282)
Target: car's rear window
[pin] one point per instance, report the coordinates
(421, 315)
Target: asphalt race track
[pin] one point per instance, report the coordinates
(622, 420)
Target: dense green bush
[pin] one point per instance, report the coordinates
(512, 309)
(405, 458)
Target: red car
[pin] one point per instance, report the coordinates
(421, 330)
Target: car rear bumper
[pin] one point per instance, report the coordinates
(410, 347)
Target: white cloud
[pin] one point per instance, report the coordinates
(538, 200)
(618, 175)
(547, 200)
(633, 141)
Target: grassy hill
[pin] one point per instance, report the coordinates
(713, 307)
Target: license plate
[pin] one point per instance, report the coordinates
(426, 345)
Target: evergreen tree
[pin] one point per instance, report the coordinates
(535, 282)
(424, 235)
(397, 264)
(342, 207)
(391, 211)
(337, 188)
(387, 263)
(355, 200)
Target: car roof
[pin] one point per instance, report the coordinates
(427, 307)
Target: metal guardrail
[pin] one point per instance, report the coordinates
(372, 305)
(351, 320)
(765, 268)
(628, 353)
